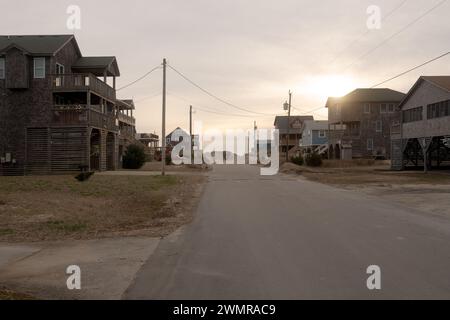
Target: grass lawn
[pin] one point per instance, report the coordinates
(60, 207)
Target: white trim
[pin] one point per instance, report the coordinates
(369, 144)
(322, 134)
(34, 68)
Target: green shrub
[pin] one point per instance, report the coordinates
(134, 157)
(314, 160)
(298, 160)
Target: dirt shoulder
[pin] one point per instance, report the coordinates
(52, 208)
(156, 166)
(427, 192)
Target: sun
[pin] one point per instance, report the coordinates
(325, 86)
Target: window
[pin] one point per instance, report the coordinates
(2, 68)
(391, 108)
(438, 110)
(384, 108)
(322, 134)
(413, 115)
(59, 69)
(379, 126)
(39, 68)
(369, 144)
(367, 108)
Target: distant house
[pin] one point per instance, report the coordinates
(150, 140)
(314, 137)
(365, 118)
(295, 128)
(58, 111)
(171, 144)
(423, 137)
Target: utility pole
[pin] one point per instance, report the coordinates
(191, 133)
(288, 107)
(163, 150)
(255, 140)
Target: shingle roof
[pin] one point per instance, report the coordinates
(374, 95)
(440, 81)
(369, 95)
(35, 45)
(281, 122)
(93, 62)
(98, 65)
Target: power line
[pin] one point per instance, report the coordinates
(396, 33)
(148, 97)
(216, 97)
(385, 17)
(139, 79)
(214, 111)
(412, 69)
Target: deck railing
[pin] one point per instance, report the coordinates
(82, 115)
(126, 119)
(82, 82)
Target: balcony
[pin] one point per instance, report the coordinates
(83, 115)
(127, 119)
(82, 82)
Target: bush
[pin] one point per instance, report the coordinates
(84, 176)
(134, 157)
(314, 160)
(298, 160)
(168, 158)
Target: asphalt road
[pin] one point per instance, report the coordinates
(284, 238)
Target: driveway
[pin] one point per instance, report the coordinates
(286, 238)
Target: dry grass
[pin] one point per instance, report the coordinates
(426, 192)
(59, 207)
(11, 295)
(377, 174)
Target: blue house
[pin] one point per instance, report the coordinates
(314, 137)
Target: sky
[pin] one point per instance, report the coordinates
(249, 53)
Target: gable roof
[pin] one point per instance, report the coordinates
(442, 82)
(42, 45)
(281, 122)
(178, 128)
(369, 95)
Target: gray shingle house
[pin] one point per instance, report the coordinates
(360, 123)
(58, 109)
(423, 137)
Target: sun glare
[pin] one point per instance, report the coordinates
(330, 85)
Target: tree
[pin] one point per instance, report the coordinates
(134, 157)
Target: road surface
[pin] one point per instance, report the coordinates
(283, 237)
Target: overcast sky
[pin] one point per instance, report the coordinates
(250, 53)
